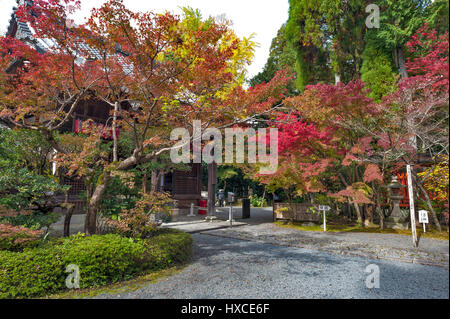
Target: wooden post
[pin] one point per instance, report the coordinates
(411, 205)
(212, 181)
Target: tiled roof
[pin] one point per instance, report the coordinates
(22, 31)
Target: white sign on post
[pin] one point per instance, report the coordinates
(324, 209)
(423, 218)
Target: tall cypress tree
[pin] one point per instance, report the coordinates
(281, 55)
(399, 20)
(307, 32)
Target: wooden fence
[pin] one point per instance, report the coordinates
(299, 211)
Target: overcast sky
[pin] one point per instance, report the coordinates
(261, 17)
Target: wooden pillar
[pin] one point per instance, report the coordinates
(212, 182)
(411, 206)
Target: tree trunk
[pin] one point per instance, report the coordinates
(381, 215)
(357, 66)
(114, 135)
(154, 178)
(144, 183)
(369, 215)
(430, 206)
(90, 225)
(358, 213)
(349, 209)
(378, 208)
(69, 211)
(401, 63)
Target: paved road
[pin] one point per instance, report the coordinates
(233, 268)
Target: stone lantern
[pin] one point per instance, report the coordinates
(396, 219)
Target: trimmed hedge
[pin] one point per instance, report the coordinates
(102, 259)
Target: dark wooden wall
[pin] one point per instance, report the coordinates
(187, 185)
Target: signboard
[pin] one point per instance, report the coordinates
(230, 197)
(324, 208)
(423, 216)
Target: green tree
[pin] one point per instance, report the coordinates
(378, 70)
(281, 56)
(438, 13)
(399, 20)
(27, 186)
(308, 35)
(384, 51)
(328, 36)
(224, 173)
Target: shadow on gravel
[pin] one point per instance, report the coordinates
(335, 276)
(408, 281)
(207, 246)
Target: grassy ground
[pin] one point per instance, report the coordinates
(119, 287)
(333, 226)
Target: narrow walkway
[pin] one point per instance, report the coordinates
(198, 226)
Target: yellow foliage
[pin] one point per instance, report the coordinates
(437, 179)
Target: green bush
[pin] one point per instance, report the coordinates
(169, 247)
(101, 259)
(256, 201)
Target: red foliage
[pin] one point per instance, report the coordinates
(433, 56)
(17, 237)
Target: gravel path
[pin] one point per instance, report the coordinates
(231, 268)
(380, 246)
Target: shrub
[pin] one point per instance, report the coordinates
(256, 201)
(101, 259)
(136, 222)
(31, 219)
(16, 238)
(169, 247)
(22, 189)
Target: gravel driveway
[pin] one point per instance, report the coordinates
(233, 268)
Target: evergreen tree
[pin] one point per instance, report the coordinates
(378, 69)
(399, 20)
(308, 34)
(281, 56)
(384, 51)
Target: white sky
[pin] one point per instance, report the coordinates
(261, 17)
